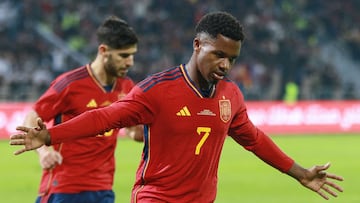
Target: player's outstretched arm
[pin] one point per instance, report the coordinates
(31, 138)
(317, 179)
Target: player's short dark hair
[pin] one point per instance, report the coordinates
(221, 22)
(116, 33)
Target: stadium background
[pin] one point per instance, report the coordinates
(314, 44)
(296, 51)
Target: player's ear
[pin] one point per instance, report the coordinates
(196, 44)
(102, 48)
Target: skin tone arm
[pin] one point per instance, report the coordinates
(315, 178)
(48, 157)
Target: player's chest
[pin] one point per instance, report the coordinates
(189, 113)
(92, 98)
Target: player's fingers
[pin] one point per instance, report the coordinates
(20, 151)
(333, 185)
(41, 123)
(322, 194)
(49, 165)
(17, 142)
(333, 176)
(322, 168)
(17, 136)
(327, 189)
(45, 165)
(58, 158)
(326, 166)
(23, 128)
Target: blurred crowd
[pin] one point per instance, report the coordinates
(281, 57)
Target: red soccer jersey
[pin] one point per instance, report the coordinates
(88, 164)
(184, 135)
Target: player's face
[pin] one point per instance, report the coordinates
(215, 57)
(118, 61)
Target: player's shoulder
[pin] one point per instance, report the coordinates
(228, 85)
(125, 79)
(124, 83)
(160, 78)
(66, 78)
(74, 74)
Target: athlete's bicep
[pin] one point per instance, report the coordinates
(242, 130)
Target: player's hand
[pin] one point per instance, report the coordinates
(318, 180)
(49, 158)
(135, 132)
(31, 138)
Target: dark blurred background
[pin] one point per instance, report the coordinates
(302, 49)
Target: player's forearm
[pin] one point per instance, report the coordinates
(98, 121)
(92, 123)
(270, 153)
(31, 119)
(88, 124)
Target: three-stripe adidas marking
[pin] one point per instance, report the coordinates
(184, 112)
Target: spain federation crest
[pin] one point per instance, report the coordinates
(225, 110)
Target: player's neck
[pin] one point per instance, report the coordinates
(100, 74)
(206, 88)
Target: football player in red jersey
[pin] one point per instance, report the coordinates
(187, 111)
(83, 171)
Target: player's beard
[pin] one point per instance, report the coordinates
(112, 70)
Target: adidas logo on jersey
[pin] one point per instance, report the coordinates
(184, 112)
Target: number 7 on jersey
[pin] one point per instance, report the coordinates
(205, 132)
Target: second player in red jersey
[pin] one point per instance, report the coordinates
(67, 97)
(83, 171)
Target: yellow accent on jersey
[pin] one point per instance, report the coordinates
(184, 112)
(92, 104)
(202, 130)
